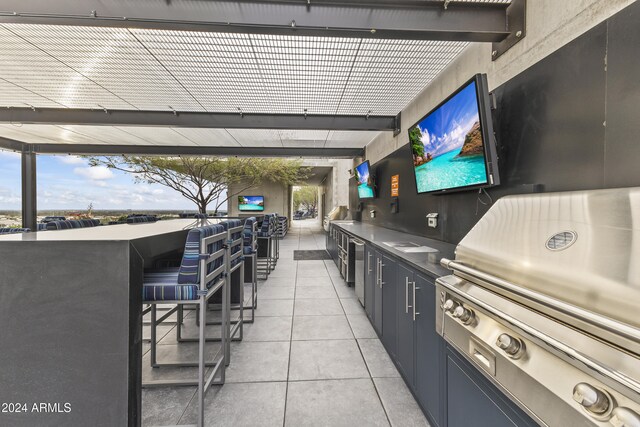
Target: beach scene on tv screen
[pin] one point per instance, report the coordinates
(447, 145)
(251, 203)
(365, 183)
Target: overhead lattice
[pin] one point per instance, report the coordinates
(83, 67)
(139, 69)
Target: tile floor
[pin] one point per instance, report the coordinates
(310, 359)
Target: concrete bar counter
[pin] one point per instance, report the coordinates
(71, 316)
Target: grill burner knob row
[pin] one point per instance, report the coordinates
(449, 305)
(514, 347)
(624, 417)
(465, 315)
(592, 399)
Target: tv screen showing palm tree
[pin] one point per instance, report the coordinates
(448, 145)
(250, 203)
(364, 181)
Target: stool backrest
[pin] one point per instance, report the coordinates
(189, 272)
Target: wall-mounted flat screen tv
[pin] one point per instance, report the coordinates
(365, 181)
(251, 203)
(452, 146)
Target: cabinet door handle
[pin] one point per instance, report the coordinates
(381, 281)
(368, 263)
(414, 301)
(406, 295)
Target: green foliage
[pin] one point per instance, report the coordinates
(203, 180)
(415, 139)
(305, 198)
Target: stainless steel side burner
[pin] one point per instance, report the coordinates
(545, 299)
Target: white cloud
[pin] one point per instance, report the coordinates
(72, 160)
(8, 197)
(95, 173)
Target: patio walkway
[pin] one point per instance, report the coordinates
(310, 359)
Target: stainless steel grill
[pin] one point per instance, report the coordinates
(545, 299)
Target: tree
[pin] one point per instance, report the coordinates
(203, 180)
(415, 139)
(306, 198)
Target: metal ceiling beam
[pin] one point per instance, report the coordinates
(70, 116)
(402, 19)
(12, 144)
(161, 150)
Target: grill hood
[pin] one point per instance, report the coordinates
(577, 249)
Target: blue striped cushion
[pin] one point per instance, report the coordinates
(160, 285)
(189, 272)
(182, 284)
(10, 230)
(169, 292)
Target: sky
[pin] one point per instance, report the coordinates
(68, 183)
(363, 173)
(444, 129)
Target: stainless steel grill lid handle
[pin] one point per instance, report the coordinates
(584, 315)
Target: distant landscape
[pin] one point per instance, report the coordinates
(13, 218)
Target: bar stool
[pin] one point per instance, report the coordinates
(202, 273)
(266, 259)
(250, 250)
(235, 275)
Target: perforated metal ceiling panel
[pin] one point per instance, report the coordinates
(117, 68)
(27, 65)
(54, 66)
(112, 58)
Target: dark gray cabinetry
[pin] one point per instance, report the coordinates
(377, 294)
(406, 325)
(473, 400)
(400, 301)
(388, 269)
(369, 281)
(429, 351)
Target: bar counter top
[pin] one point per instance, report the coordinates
(429, 263)
(120, 232)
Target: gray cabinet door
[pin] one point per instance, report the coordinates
(369, 282)
(430, 352)
(471, 397)
(406, 331)
(377, 295)
(389, 304)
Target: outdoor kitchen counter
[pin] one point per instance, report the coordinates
(428, 263)
(71, 316)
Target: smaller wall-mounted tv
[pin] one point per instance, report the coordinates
(251, 203)
(453, 146)
(364, 179)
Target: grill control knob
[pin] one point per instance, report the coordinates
(514, 347)
(592, 399)
(464, 314)
(449, 305)
(624, 417)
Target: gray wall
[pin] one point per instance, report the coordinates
(276, 198)
(336, 185)
(550, 25)
(568, 122)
